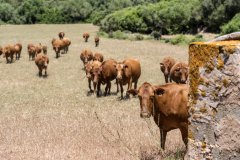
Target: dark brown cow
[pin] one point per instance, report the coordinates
(58, 45)
(98, 57)
(1, 50)
(89, 75)
(168, 106)
(31, 51)
(61, 35)
(42, 62)
(96, 39)
(9, 51)
(86, 55)
(86, 36)
(179, 73)
(166, 66)
(44, 49)
(18, 50)
(128, 72)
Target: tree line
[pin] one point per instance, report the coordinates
(143, 16)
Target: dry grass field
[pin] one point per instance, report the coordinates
(54, 118)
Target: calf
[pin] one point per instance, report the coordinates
(168, 106)
(128, 72)
(9, 51)
(166, 66)
(179, 73)
(18, 50)
(61, 35)
(86, 55)
(86, 36)
(98, 57)
(96, 39)
(42, 62)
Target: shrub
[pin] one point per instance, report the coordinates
(118, 35)
(232, 26)
(139, 37)
(156, 35)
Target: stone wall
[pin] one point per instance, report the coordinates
(214, 127)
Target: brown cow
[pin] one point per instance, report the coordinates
(166, 66)
(98, 57)
(42, 62)
(179, 72)
(104, 75)
(38, 48)
(31, 51)
(67, 43)
(86, 55)
(86, 36)
(61, 35)
(96, 39)
(96, 71)
(18, 50)
(44, 49)
(168, 106)
(128, 72)
(58, 45)
(9, 51)
(89, 75)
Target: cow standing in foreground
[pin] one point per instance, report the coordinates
(179, 73)
(168, 106)
(96, 39)
(86, 36)
(128, 72)
(42, 62)
(166, 66)
(9, 51)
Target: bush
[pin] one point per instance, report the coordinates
(156, 35)
(231, 26)
(118, 35)
(139, 37)
(184, 39)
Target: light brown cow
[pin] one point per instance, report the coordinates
(61, 35)
(42, 62)
(96, 39)
(104, 75)
(179, 73)
(86, 55)
(98, 57)
(166, 66)
(9, 51)
(38, 48)
(86, 36)
(31, 51)
(128, 72)
(89, 75)
(18, 50)
(96, 72)
(168, 106)
(58, 45)
(67, 43)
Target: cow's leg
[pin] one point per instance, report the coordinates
(163, 135)
(166, 78)
(184, 132)
(7, 59)
(98, 88)
(135, 84)
(95, 89)
(106, 89)
(121, 87)
(45, 71)
(117, 85)
(109, 88)
(170, 79)
(89, 85)
(129, 87)
(40, 72)
(11, 58)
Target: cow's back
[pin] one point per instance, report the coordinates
(174, 100)
(109, 72)
(134, 70)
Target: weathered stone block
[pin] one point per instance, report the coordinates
(214, 106)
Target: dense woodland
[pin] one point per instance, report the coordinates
(143, 16)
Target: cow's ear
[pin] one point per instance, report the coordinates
(159, 91)
(161, 64)
(133, 92)
(125, 66)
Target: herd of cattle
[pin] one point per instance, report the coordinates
(166, 103)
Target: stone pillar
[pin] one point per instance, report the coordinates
(214, 101)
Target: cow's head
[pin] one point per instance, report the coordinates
(182, 73)
(120, 69)
(146, 94)
(165, 68)
(86, 56)
(96, 71)
(89, 69)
